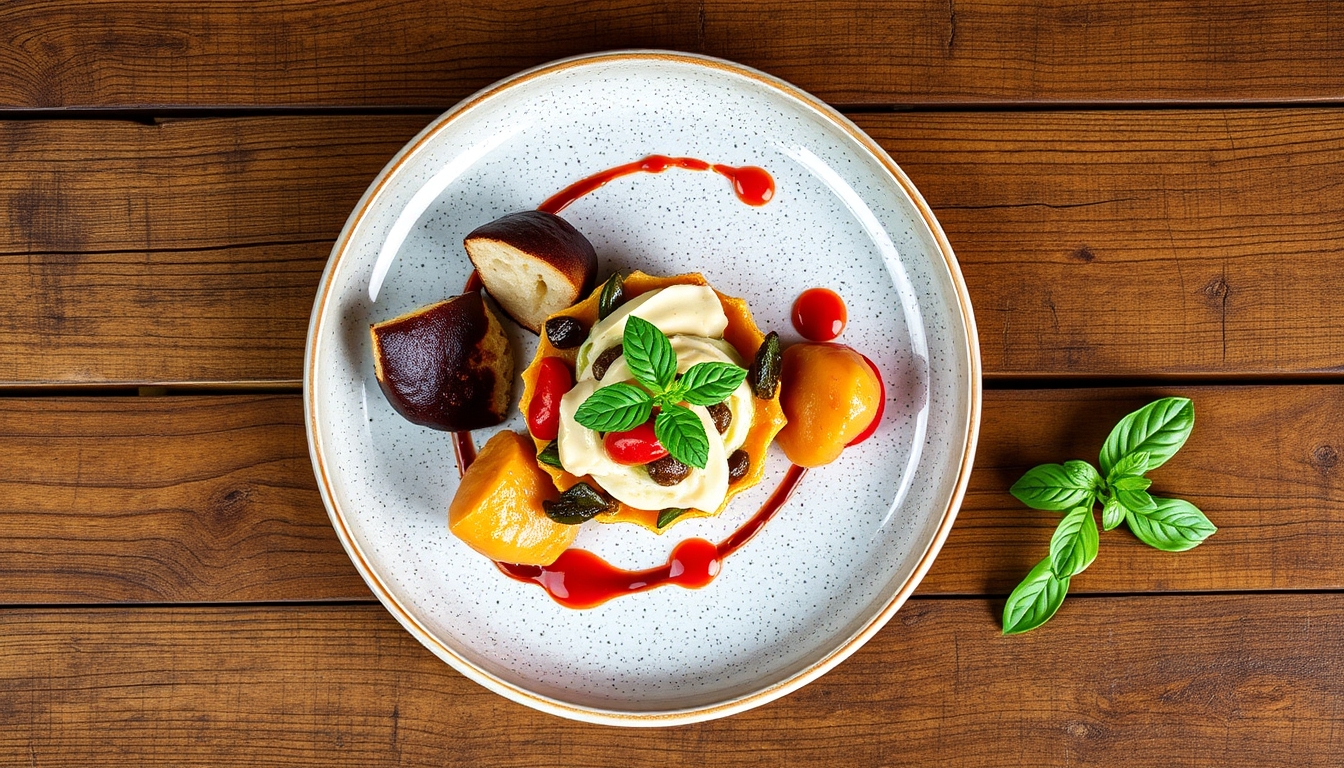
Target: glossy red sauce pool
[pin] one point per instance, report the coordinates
(819, 314)
(752, 185)
(580, 579)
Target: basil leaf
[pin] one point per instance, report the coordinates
(1052, 487)
(577, 505)
(1132, 484)
(1136, 501)
(711, 383)
(1160, 428)
(615, 408)
(666, 516)
(1074, 545)
(551, 455)
(1035, 600)
(612, 296)
(1084, 475)
(649, 354)
(683, 435)
(1174, 526)
(1112, 514)
(1130, 466)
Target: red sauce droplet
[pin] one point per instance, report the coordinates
(580, 579)
(819, 314)
(473, 282)
(752, 185)
(881, 405)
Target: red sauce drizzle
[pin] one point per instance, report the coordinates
(819, 314)
(752, 185)
(881, 405)
(580, 579)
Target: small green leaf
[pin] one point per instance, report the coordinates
(765, 368)
(649, 354)
(579, 504)
(1084, 475)
(1035, 600)
(1130, 483)
(1173, 526)
(1051, 487)
(1160, 428)
(612, 296)
(1130, 466)
(615, 408)
(1112, 514)
(1136, 501)
(1074, 545)
(711, 383)
(551, 455)
(683, 435)
(666, 516)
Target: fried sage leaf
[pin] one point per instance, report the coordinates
(764, 373)
(666, 516)
(612, 296)
(579, 504)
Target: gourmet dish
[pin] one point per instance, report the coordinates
(650, 400)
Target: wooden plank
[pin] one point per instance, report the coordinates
(420, 53)
(1176, 681)
(213, 499)
(1203, 235)
(163, 499)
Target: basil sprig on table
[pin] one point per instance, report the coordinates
(1142, 441)
(652, 361)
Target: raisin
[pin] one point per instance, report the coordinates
(667, 471)
(738, 464)
(605, 360)
(722, 416)
(565, 332)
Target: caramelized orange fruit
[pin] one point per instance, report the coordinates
(829, 395)
(497, 510)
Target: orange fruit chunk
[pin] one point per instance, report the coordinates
(829, 395)
(497, 510)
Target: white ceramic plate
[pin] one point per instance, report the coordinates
(835, 564)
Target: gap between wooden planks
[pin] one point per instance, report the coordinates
(423, 53)
(1248, 680)
(1094, 244)
(212, 499)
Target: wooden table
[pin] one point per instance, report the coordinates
(1147, 199)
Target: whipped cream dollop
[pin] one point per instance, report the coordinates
(693, 319)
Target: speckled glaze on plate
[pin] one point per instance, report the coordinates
(848, 549)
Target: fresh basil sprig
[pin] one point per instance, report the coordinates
(653, 363)
(1142, 441)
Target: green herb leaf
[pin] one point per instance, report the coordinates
(551, 455)
(1160, 428)
(1051, 487)
(1035, 600)
(1112, 514)
(683, 435)
(649, 354)
(577, 505)
(615, 408)
(666, 516)
(1133, 465)
(1173, 525)
(1130, 483)
(1074, 545)
(1136, 501)
(711, 383)
(612, 296)
(765, 369)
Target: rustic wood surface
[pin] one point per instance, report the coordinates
(423, 53)
(1109, 243)
(1232, 680)
(1144, 198)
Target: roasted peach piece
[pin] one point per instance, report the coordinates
(829, 395)
(497, 510)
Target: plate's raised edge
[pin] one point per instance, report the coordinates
(971, 361)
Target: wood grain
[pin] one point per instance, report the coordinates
(184, 498)
(163, 499)
(425, 54)
(1167, 243)
(1174, 681)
